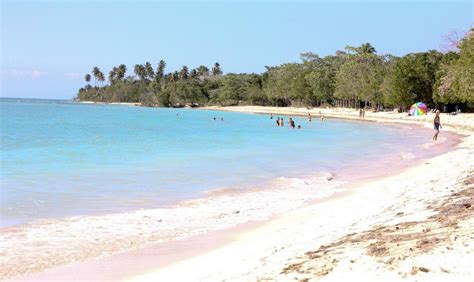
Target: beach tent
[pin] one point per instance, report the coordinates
(418, 109)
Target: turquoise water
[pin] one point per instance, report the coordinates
(60, 158)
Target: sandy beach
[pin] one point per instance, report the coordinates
(415, 224)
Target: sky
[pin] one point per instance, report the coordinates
(48, 46)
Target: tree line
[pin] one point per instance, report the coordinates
(355, 77)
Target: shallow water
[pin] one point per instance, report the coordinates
(61, 159)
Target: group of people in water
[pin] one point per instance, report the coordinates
(291, 121)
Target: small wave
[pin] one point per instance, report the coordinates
(49, 243)
(313, 181)
(407, 156)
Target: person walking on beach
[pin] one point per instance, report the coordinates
(437, 125)
(363, 113)
(360, 113)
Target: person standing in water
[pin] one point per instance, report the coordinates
(437, 125)
(309, 116)
(291, 123)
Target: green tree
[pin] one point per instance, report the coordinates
(184, 73)
(95, 73)
(286, 85)
(113, 75)
(87, 78)
(365, 48)
(320, 78)
(216, 70)
(120, 73)
(359, 79)
(140, 71)
(193, 74)
(160, 71)
(233, 87)
(456, 84)
(412, 78)
(203, 71)
(149, 72)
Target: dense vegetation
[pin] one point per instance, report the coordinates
(355, 77)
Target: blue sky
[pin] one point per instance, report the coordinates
(48, 46)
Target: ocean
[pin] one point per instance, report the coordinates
(61, 159)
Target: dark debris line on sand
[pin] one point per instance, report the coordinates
(393, 244)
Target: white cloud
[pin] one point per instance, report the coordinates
(23, 73)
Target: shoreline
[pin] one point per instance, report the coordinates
(454, 123)
(223, 244)
(193, 267)
(433, 236)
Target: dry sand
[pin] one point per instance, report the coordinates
(416, 226)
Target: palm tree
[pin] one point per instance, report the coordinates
(149, 72)
(95, 73)
(112, 75)
(184, 73)
(140, 72)
(193, 74)
(101, 77)
(203, 71)
(216, 70)
(367, 48)
(87, 78)
(160, 71)
(122, 69)
(175, 76)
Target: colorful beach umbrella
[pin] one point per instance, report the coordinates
(418, 109)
